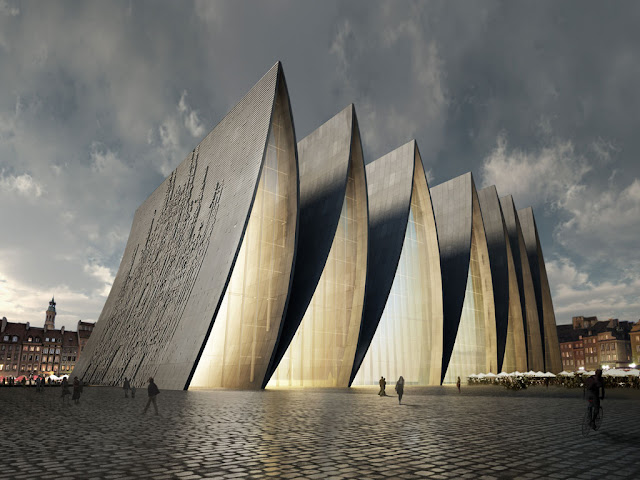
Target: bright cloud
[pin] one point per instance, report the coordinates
(23, 184)
(551, 176)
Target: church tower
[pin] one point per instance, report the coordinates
(50, 321)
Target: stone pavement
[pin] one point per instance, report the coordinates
(485, 432)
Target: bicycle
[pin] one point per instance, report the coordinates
(586, 421)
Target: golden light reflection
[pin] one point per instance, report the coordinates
(322, 351)
(408, 340)
(246, 327)
(475, 348)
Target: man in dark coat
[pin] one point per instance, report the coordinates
(153, 392)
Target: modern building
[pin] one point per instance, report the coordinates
(203, 285)
(544, 303)
(528, 306)
(469, 333)
(320, 331)
(30, 351)
(510, 336)
(402, 329)
(262, 261)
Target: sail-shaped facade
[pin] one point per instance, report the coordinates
(469, 325)
(261, 261)
(528, 306)
(401, 333)
(204, 280)
(320, 332)
(546, 316)
(511, 347)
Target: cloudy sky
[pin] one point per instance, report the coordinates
(99, 101)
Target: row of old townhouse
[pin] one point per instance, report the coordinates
(588, 344)
(29, 351)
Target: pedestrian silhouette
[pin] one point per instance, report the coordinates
(133, 391)
(76, 391)
(400, 388)
(383, 384)
(65, 391)
(458, 384)
(126, 387)
(153, 392)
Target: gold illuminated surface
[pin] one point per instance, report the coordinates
(475, 348)
(322, 351)
(246, 326)
(515, 355)
(408, 340)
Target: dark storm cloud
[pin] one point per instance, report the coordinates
(100, 100)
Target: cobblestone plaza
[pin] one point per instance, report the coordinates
(484, 432)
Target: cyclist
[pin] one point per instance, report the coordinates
(593, 385)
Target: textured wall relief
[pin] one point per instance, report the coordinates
(162, 272)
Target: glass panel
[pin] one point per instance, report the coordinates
(469, 351)
(402, 344)
(322, 350)
(245, 329)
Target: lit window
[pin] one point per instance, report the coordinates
(6, 338)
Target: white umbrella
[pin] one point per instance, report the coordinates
(562, 373)
(491, 375)
(502, 375)
(549, 375)
(515, 374)
(473, 375)
(54, 377)
(530, 373)
(480, 375)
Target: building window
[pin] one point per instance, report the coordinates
(14, 339)
(45, 350)
(37, 348)
(46, 339)
(30, 339)
(37, 339)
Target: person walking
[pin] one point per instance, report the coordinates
(152, 391)
(133, 391)
(458, 384)
(76, 391)
(65, 391)
(126, 387)
(383, 384)
(400, 388)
